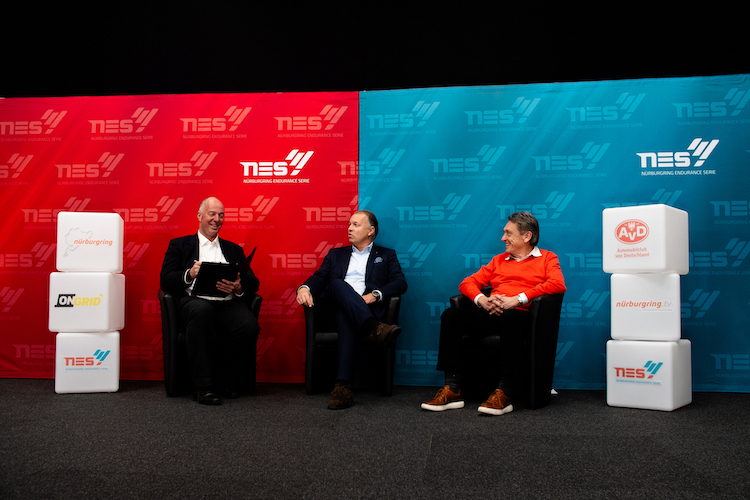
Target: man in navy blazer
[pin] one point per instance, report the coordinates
(353, 282)
(220, 330)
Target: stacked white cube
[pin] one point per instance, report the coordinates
(648, 362)
(87, 302)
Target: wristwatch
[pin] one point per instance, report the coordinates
(376, 294)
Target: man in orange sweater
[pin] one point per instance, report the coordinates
(517, 276)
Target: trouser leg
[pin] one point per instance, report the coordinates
(353, 318)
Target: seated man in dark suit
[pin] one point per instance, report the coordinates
(354, 281)
(220, 330)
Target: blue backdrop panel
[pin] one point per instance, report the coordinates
(443, 168)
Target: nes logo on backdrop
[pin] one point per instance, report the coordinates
(698, 304)
(696, 155)
(552, 208)
(518, 113)
(104, 167)
(88, 362)
(448, 210)
(46, 125)
(257, 211)
(233, 118)
(587, 307)
(15, 166)
(715, 109)
(377, 170)
(162, 212)
(415, 257)
(287, 306)
(136, 123)
(482, 163)
(196, 167)
(301, 260)
(326, 120)
(732, 256)
(588, 158)
(37, 258)
(623, 109)
(8, 297)
(643, 375)
(418, 117)
(277, 171)
(48, 215)
(333, 215)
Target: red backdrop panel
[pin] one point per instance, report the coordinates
(284, 165)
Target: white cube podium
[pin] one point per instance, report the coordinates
(646, 307)
(645, 239)
(649, 375)
(87, 362)
(86, 302)
(88, 241)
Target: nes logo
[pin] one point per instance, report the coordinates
(631, 231)
(291, 166)
(95, 360)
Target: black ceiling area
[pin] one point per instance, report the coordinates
(168, 48)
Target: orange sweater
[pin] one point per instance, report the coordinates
(533, 276)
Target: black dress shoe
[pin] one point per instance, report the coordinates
(207, 397)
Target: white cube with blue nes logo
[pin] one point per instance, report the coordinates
(87, 362)
(649, 375)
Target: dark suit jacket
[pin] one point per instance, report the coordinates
(383, 273)
(181, 254)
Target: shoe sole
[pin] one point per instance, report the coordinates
(332, 407)
(493, 411)
(450, 406)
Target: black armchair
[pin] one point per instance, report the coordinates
(322, 350)
(533, 378)
(176, 367)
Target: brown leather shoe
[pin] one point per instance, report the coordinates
(497, 404)
(386, 334)
(445, 399)
(341, 396)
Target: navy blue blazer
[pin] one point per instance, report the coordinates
(383, 273)
(183, 252)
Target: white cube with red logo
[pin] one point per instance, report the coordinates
(86, 302)
(645, 239)
(649, 375)
(89, 241)
(646, 307)
(87, 362)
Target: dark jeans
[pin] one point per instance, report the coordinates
(455, 323)
(220, 336)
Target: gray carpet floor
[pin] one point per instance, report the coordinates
(282, 443)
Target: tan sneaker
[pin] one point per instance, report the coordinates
(445, 399)
(497, 404)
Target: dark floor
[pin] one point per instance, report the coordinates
(282, 443)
